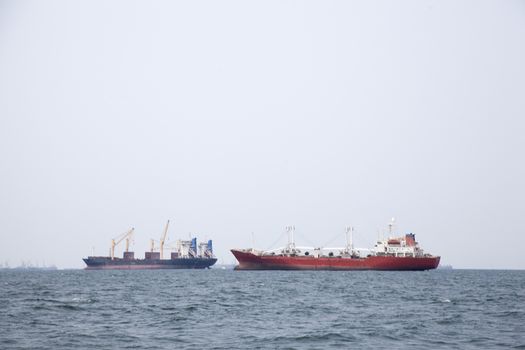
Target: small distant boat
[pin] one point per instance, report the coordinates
(188, 255)
(394, 253)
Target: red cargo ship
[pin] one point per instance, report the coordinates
(395, 253)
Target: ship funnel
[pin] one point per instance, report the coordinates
(410, 239)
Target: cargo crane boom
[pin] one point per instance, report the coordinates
(115, 241)
(162, 239)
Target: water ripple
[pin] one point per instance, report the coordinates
(218, 309)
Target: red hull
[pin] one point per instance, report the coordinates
(249, 261)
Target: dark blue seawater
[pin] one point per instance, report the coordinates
(218, 309)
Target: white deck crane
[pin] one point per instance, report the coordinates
(115, 241)
(162, 239)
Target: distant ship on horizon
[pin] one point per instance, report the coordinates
(394, 253)
(188, 255)
(29, 267)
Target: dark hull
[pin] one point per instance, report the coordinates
(106, 263)
(249, 261)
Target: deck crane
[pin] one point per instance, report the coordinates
(151, 245)
(115, 241)
(162, 239)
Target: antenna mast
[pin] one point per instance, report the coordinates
(390, 226)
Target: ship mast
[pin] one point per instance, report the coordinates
(291, 243)
(390, 226)
(349, 239)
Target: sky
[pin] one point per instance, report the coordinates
(234, 119)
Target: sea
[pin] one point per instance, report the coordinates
(226, 309)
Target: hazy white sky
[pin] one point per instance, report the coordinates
(232, 117)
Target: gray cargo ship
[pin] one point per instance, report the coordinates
(188, 255)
